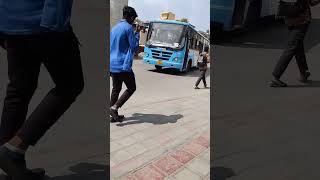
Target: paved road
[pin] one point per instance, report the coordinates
(155, 86)
(76, 147)
(260, 132)
(166, 132)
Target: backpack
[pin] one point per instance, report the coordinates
(290, 8)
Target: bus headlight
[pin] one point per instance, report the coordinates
(146, 54)
(176, 59)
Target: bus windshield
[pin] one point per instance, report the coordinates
(166, 35)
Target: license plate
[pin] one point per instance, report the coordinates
(159, 62)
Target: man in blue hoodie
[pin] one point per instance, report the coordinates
(35, 33)
(124, 42)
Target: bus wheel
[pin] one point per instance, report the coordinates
(158, 68)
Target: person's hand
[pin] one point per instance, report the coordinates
(138, 28)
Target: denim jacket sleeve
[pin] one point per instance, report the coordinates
(127, 64)
(133, 39)
(56, 14)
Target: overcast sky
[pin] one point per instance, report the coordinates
(197, 11)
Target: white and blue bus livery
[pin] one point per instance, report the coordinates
(173, 44)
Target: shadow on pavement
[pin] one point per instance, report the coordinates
(270, 35)
(310, 84)
(221, 173)
(138, 118)
(82, 171)
(85, 171)
(171, 71)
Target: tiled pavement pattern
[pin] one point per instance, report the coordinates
(163, 140)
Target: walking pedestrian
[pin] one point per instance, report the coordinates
(203, 66)
(36, 32)
(298, 27)
(124, 42)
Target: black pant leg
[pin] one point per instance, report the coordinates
(63, 63)
(296, 37)
(116, 88)
(301, 55)
(301, 60)
(199, 79)
(23, 72)
(204, 78)
(130, 81)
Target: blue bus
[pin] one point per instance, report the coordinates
(228, 15)
(173, 44)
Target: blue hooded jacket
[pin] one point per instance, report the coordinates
(123, 44)
(23, 17)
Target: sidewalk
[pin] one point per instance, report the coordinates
(163, 140)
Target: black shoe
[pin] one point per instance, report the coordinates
(37, 174)
(114, 113)
(121, 117)
(304, 77)
(15, 167)
(196, 87)
(277, 83)
(115, 116)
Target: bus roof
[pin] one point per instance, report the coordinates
(172, 22)
(180, 23)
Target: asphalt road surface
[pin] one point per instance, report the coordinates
(165, 85)
(262, 133)
(76, 147)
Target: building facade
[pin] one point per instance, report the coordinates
(167, 16)
(116, 7)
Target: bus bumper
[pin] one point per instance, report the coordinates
(163, 63)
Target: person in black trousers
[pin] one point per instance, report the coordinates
(203, 68)
(29, 46)
(124, 42)
(298, 27)
(59, 53)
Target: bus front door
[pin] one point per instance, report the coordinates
(186, 55)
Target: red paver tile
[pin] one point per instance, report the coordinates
(206, 135)
(168, 164)
(129, 177)
(182, 156)
(149, 173)
(203, 141)
(193, 148)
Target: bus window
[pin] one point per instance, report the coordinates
(170, 35)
